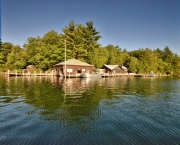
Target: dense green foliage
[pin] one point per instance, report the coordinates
(81, 42)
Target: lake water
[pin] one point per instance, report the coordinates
(121, 110)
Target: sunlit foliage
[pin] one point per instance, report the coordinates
(81, 42)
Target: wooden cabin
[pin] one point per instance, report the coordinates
(28, 68)
(112, 69)
(125, 70)
(74, 67)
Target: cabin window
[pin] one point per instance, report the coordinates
(79, 71)
(69, 70)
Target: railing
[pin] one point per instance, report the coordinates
(29, 73)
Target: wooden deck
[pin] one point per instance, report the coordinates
(117, 75)
(27, 74)
(79, 75)
(129, 75)
(40, 74)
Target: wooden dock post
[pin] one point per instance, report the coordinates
(8, 72)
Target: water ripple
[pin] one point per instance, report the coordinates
(106, 111)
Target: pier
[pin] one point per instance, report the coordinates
(78, 75)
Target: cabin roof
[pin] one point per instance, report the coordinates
(73, 62)
(123, 67)
(30, 66)
(111, 67)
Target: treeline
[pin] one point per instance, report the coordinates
(81, 42)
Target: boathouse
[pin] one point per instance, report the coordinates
(125, 70)
(73, 67)
(114, 69)
(29, 68)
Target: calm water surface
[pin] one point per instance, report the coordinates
(49, 110)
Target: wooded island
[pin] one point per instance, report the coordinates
(82, 44)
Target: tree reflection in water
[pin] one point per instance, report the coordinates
(69, 101)
(91, 109)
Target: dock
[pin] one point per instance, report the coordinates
(116, 75)
(79, 75)
(129, 75)
(10, 74)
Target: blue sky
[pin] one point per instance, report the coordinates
(130, 24)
